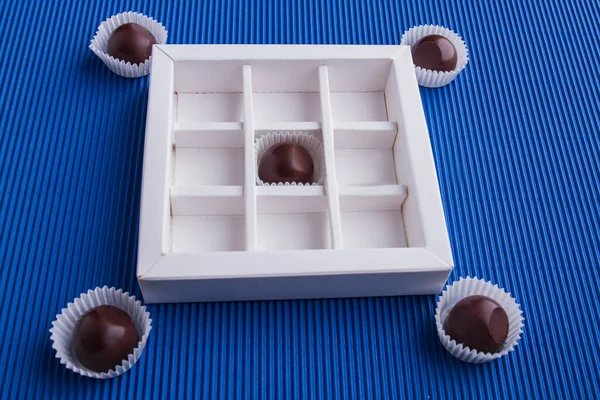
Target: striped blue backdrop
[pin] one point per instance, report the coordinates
(516, 140)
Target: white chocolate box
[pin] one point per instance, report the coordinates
(208, 232)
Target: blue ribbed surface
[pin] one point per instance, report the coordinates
(516, 140)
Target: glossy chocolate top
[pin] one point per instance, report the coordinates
(436, 53)
(479, 323)
(131, 43)
(286, 163)
(104, 337)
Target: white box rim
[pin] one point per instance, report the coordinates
(154, 259)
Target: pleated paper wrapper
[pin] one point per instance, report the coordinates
(469, 287)
(436, 79)
(63, 327)
(100, 41)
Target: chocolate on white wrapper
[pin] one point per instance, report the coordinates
(64, 326)
(466, 287)
(430, 78)
(99, 44)
(308, 141)
(479, 323)
(131, 43)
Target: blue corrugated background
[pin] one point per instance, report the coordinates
(516, 141)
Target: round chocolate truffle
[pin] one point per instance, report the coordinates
(104, 337)
(131, 43)
(436, 53)
(479, 323)
(286, 163)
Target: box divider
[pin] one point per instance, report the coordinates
(250, 173)
(226, 135)
(331, 185)
(365, 134)
(207, 200)
(372, 198)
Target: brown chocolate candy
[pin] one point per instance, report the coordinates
(131, 43)
(104, 337)
(286, 163)
(479, 323)
(436, 53)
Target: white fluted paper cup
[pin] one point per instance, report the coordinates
(100, 41)
(63, 327)
(469, 287)
(310, 142)
(427, 77)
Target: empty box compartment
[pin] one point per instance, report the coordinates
(285, 92)
(206, 166)
(373, 217)
(358, 106)
(275, 107)
(373, 229)
(206, 233)
(292, 218)
(209, 107)
(365, 154)
(365, 167)
(293, 231)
